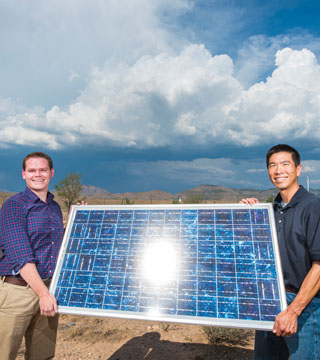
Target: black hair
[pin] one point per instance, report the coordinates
(284, 148)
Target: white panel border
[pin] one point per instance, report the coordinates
(233, 323)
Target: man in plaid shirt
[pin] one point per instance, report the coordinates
(31, 231)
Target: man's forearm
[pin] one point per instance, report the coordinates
(30, 274)
(286, 323)
(47, 302)
(308, 289)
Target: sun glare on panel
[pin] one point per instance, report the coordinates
(160, 263)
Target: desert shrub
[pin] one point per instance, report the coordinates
(127, 201)
(90, 333)
(75, 333)
(165, 326)
(232, 336)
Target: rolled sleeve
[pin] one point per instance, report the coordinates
(14, 237)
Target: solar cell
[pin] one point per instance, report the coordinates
(198, 264)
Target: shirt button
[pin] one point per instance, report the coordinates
(52, 243)
(281, 212)
(280, 221)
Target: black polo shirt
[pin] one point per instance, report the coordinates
(298, 227)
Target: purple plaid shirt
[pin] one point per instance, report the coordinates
(31, 231)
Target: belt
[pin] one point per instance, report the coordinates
(17, 281)
(291, 289)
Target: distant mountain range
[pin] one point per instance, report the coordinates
(202, 193)
(205, 192)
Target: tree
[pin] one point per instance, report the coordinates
(69, 189)
(127, 201)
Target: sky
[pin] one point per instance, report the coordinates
(139, 95)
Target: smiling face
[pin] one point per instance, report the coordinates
(283, 173)
(37, 175)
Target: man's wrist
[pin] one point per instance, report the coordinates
(43, 291)
(294, 309)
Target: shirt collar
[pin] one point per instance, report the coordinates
(35, 198)
(295, 199)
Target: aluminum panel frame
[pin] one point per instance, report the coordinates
(208, 321)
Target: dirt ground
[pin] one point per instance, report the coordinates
(90, 338)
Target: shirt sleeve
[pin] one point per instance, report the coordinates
(14, 237)
(313, 230)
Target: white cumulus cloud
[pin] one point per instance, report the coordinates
(286, 106)
(171, 99)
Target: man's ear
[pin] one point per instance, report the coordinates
(299, 169)
(52, 172)
(23, 175)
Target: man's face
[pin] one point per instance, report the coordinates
(282, 171)
(37, 174)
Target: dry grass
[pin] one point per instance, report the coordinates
(93, 330)
(93, 338)
(227, 336)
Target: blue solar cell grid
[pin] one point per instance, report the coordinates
(213, 265)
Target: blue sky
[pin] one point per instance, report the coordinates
(141, 95)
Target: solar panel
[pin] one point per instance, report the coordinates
(197, 264)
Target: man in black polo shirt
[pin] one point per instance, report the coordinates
(296, 331)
